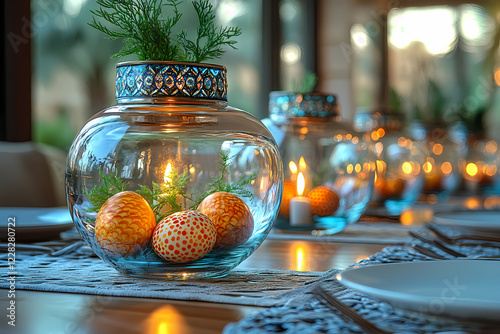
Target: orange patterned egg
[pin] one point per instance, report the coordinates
(324, 201)
(231, 216)
(289, 191)
(124, 224)
(184, 237)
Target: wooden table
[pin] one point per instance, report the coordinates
(42, 312)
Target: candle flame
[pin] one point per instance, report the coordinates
(168, 173)
(293, 167)
(301, 184)
(302, 163)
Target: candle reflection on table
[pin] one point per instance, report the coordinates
(166, 319)
(300, 256)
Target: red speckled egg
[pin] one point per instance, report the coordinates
(231, 216)
(184, 237)
(324, 201)
(124, 224)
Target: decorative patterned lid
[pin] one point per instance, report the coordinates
(159, 79)
(284, 105)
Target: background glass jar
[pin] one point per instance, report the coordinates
(444, 165)
(399, 178)
(329, 170)
(172, 140)
(481, 172)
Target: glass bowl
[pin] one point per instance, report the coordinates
(137, 173)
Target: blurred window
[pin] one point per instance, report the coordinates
(442, 61)
(73, 75)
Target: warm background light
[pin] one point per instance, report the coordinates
(446, 168)
(471, 169)
(473, 203)
(407, 167)
(437, 149)
(428, 167)
(491, 147)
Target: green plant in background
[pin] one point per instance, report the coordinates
(55, 132)
(306, 85)
(148, 33)
(396, 101)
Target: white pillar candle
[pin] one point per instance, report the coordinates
(300, 211)
(300, 206)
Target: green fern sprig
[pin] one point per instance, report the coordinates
(209, 40)
(110, 185)
(163, 198)
(219, 183)
(148, 32)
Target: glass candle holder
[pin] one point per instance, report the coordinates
(481, 172)
(399, 178)
(171, 182)
(444, 165)
(329, 170)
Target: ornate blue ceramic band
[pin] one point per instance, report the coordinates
(144, 79)
(287, 104)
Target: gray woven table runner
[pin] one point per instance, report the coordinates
(90, 275)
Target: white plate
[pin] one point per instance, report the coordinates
(465, 289)
(34, 224)
(480, 221)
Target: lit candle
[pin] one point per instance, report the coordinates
(300, 206)
(167, 182)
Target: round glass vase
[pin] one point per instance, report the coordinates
(399, 177)
(328, 168)
(447, 149)
(172, 140)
